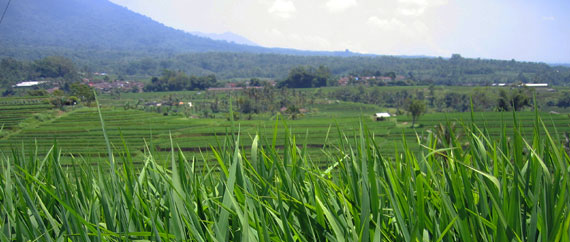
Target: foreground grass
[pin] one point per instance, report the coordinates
(475, 189)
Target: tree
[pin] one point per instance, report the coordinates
(56, 67)
(12, 71)
(481, 100)
(416, 108)
(392, 75)
(294, 112)
(247, 106)
(8, 92)
(178, 81)
(518, 99)
(503, 101)
(83, 92)
(456, 101)
(255, 82)
(307, 77)
(37, 92)
(564, 100)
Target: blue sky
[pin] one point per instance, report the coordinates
(527, 30)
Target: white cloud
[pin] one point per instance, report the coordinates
(548, 18)
(318, 42)
(416, 2)
(419, 28)
(411, 11)
(275, 32)
(283, 8)
(396, 26)
(340, 5)
(386, 24)
(294, 40)
(416, 8)
(423, 2)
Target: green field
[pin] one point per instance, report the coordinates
(509, 186)
(331, 174)
(78, 132)
(16, 109)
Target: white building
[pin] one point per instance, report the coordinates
(535, 84)
(381, 116)
(28, 83)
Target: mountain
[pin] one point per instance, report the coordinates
(96, 25)
(98, 29)
(560, 64)
(227, 36)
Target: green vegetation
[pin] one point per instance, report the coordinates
(416, 108)
(330, 172)
(491, 188)
(300, 159)
(307, 77)
(453, 99)
(14, 110)
(179, 81)
(79, 134)
(415, 71)
(198, 119)
(55, 69)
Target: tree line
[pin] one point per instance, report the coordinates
(180, 81)
(55, 68)
(226, 65)
(441, 100)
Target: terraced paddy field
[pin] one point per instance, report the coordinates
(15, 109)
(78, 133)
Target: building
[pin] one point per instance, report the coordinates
(381, 116)
(499, 84)
(535, 84)
(28, 83)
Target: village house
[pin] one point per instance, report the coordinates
(535, 84)
(381, 116)
(343, 81)
(28, 84)
(120, 85)
(233, 88)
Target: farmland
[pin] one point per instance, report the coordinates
(16, 109)
(332, 173)
(78, 132)
(496, 188)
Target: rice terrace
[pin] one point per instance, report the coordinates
(121, 121)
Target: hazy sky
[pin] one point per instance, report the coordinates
(530, 30)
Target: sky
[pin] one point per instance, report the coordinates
(525, 30)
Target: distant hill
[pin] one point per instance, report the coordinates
(227, 36)
(560, 64)
(96, 25)
(99, 28)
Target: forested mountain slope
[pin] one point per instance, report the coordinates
(102, 29)
(95, 25)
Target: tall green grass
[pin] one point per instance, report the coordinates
(476, 188)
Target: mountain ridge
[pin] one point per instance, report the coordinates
(226, 36)
(98, 25)
(33, 29)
